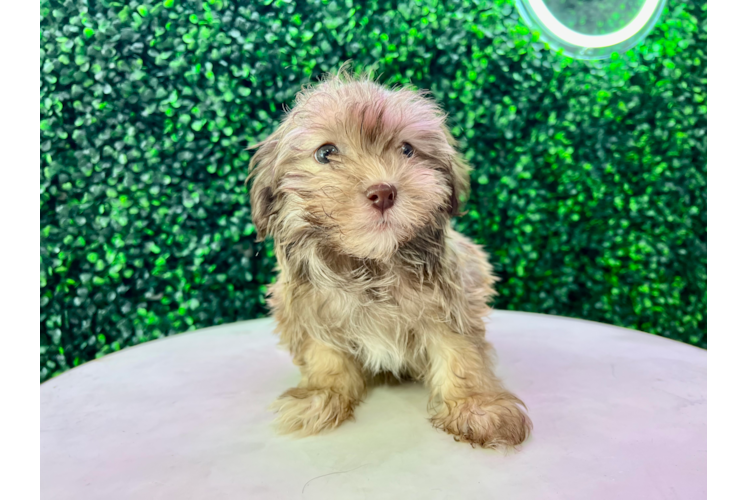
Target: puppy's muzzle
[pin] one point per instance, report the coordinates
(382, 196)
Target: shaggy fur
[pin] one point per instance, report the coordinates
(362, 292)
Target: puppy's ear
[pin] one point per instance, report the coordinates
(262, 195)
(459, 177)
(460, 184)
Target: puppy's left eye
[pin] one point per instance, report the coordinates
(321, 155)
(407, 149)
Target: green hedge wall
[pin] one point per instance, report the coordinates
(589, 188)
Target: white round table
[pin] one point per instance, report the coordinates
(618, 414)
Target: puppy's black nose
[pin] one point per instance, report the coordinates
(382, 196)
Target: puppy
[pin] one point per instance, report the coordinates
(357, 187)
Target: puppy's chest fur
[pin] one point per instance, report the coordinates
(390, 325)
(383, 315)
(382, 320)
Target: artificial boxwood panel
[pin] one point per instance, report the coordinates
(589, 189)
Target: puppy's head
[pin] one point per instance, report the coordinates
(358, 168)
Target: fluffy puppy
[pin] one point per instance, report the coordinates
(357, 187)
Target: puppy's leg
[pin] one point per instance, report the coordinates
(332, 385)
(467, 399)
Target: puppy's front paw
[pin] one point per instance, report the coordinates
(488, 420)
(310, 411)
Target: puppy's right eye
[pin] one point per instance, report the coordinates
(321, 155)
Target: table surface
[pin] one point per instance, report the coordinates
(618, 414)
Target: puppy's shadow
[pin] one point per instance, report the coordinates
(389, 379)
(406, 389)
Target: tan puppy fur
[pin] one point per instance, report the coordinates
(363, 290)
